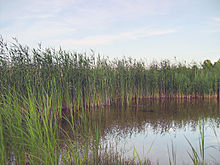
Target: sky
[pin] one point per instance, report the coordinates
(178, 30)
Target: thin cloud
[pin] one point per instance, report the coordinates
(41, 31)
(212, 31)
(216, 19)
(34, 9)
(107, 39)
(48, 6)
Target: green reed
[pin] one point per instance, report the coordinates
(172, 154)
(31, 131)
(89, 81)
(3, 157)
(40, 86)
(198, 157)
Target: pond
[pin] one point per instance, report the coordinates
(151, 128)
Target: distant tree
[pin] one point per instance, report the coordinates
(207, 63)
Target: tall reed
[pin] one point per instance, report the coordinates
(40, 86)
(89, 81)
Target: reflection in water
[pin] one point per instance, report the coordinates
(160, 122)
(165, 115)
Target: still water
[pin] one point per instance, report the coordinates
(158, 124)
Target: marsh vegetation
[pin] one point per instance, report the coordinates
(53, 104)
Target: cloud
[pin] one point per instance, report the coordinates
(40, 31)
(107, 39)
(63, 20)
(85, 13)
(47, 6)
(26, 9)
(212, 31)
(216, 19)
(99, 13)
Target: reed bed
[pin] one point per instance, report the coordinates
(87, 81)
(41, 86)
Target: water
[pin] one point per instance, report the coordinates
(161, 123)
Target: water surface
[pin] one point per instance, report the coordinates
(136, 127)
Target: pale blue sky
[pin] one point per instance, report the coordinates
(149, 29)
